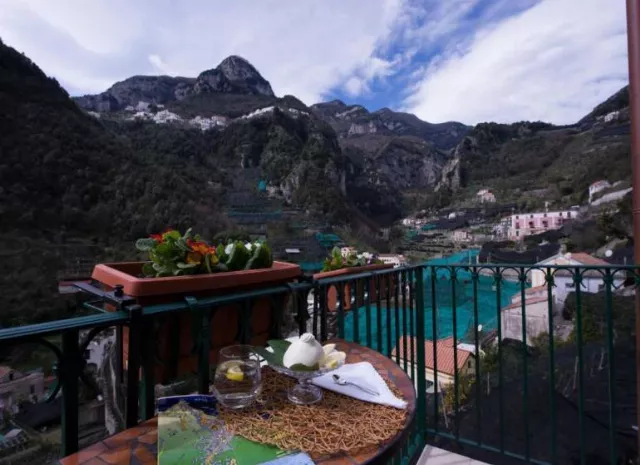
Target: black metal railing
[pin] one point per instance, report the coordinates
(515, 360)
(576, 326)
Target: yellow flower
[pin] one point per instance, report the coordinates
(194, 258)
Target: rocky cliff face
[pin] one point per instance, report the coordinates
(371, 157)
(355, 120)
(382, 167)
(234, 75)
(150, 89)
(387, 152)
(390, 152)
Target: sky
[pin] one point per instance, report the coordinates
(444, 60)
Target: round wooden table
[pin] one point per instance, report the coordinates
(138, 445)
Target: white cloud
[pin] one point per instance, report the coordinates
(303, 48)
(355, 86)
(465, 60)
(554, 62)
(159, 64)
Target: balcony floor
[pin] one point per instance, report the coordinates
(435, 456)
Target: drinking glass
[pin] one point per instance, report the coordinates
(237, 380)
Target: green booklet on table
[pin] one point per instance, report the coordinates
(190, 432)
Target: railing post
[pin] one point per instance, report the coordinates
(608, 282)
(633, 36)
(245, 332)
(340, 309)
(133, 365)
(173, 322)
(69, 373)
(301, 303)
(367, 302)
(420, 336)
(148, 353)
(202, 334)
(119, 354)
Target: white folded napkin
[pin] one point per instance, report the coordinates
(364, 374)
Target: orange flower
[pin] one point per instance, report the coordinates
(201, 247)
(194, 258)
(157, 237)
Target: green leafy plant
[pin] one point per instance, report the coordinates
(174, 254)
(337, 261)
(275, 356)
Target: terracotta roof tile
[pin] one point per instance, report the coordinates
(587, 259)
(445, 351)
(447, 341)
(533, 290)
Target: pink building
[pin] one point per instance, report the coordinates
(528, 224)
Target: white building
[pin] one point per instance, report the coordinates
(393, 259)
(592, 281)
(165, 116)
(611, 197)
(502, 228)
(142, 106)
(485, 195)
(537, 319)
(209, 123)
(16, 386)
(537, 311)
(412, 222)
(461, 235)
(597, 187)
(611, 116)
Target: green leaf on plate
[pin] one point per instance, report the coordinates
(279, 344)
(279, 347)
(270, 357)
(301, 367)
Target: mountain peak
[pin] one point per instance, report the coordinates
(235, 67)
(337, 102)
(234, 74)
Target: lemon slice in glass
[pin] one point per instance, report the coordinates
(234, 373)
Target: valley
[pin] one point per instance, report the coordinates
(211, 151)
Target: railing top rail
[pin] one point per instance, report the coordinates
(50, 328)
(225, 299)
(366, 274)
(535, 266)
(122, 317)
(477, 266)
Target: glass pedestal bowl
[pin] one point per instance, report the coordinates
(304, 392)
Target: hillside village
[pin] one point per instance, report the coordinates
(310, 180)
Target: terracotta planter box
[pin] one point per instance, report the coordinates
(224, 322)
(332, 291)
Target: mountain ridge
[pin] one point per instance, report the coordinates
(391, 152)
(234, 74)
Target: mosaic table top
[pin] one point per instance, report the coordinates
(137, 445)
